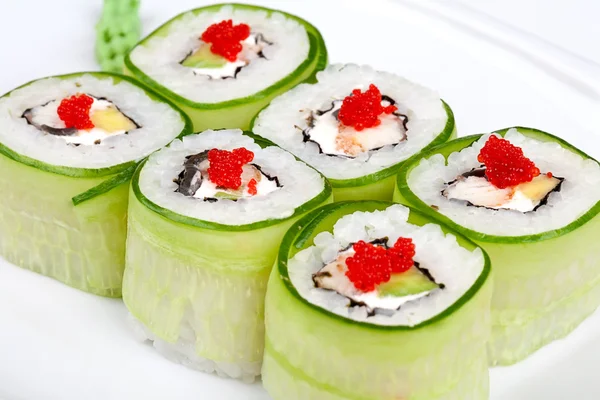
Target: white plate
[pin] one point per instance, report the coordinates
(57, 343)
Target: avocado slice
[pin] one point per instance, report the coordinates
(225, 195)
(112, 120)
(538, 188)
(407, 283)
(204, 58)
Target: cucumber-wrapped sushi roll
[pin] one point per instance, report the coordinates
(206, 218)
(68, 147)
(223, 63)
(356, 126)
(531, 201)
(370, 300)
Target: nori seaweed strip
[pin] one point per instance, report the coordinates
(137, 126)
(269, 177)
(28, 116)
(260, 37)
(428, 275)
(190, 179)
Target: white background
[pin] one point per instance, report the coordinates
(497, 63)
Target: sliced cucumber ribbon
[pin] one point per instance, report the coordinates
(105, 186)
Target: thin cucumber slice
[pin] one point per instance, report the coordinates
(203, 283)
(68, 223)
(236, 113)
(314, 353)
(545, 284)
(104, 187)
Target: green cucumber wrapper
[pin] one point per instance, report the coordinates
(237, 113)
(41, 230)
(181, 270)
(115, 175)
(314, 353)
(545, 284)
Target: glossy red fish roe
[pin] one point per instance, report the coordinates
(252, 187)
(74, 111)
(401, 255)
(373, 265)
(225, 167)
(368, 266)
(362, 110)
(505, 164)
(225, 38)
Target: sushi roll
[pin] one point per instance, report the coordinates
(356, 126)
(371, 300)
(206, 217)
(68, 147)
(531, 200)
(223, 63)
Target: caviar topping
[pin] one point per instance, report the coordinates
(401, 255)
(225, 168)
(252, 187)
(372, 265)
(225, 38)
(505, 164)
(74, 111)
(361, 110)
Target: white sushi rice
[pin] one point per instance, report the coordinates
(159, 57)
(450, 264)
(159, 123)
(579, 192)
(184, 352)
(283, 120)
(300, 183)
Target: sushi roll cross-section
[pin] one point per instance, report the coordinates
(206, 217)
(223, 63)
(371, 300)
(357, 126)
(531, 201)
(68, 147)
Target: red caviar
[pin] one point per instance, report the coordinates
(362, 110)
(252, 187)
(225, 169)
(401, 255)
(74, 111)
(372, 265)
(505, 164)
(225, 38)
